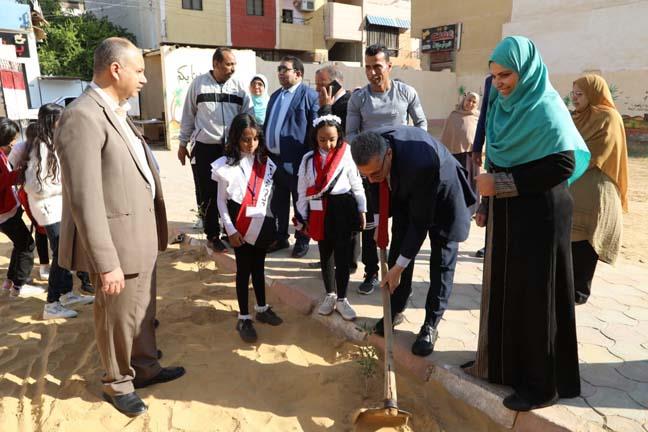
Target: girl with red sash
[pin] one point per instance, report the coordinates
(331, 207)
(245, 178)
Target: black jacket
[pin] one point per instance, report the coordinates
(339, 108)
(430, 192)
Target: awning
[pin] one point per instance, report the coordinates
(388, 21)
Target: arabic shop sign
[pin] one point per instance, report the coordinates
(443, 38)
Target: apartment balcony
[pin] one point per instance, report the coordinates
(296, 37)
(342, 22)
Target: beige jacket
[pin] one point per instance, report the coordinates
(109, 217)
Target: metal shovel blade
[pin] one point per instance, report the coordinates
(380, 419)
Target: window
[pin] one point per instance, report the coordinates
(192, 4)
(387, 36)
(287, 16)
(255, 7)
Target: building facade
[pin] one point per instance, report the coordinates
(459, 36)
(315, 30)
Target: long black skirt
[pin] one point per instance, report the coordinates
(531, 324)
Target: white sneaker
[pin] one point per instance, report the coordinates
(27, 290)
(71, 298)
(43, 271)
(55, 310)
(328, 305)
(344, 308)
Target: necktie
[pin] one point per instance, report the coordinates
(273, 121)
(383, 212)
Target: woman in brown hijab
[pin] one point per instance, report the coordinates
(600, 195)
(459, 132)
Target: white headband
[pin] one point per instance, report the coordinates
(327, 117)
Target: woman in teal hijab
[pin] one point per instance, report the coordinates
(533, 151)
(259, 93)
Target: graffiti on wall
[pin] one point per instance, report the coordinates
(181, 67)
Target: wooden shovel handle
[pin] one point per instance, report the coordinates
(391, 399)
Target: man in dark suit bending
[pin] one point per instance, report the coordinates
(427, 195)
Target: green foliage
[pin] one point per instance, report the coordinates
(567, 100)
(367, 359)
(614, 91)
(71, 41)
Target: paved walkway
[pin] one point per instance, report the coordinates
(612, 328)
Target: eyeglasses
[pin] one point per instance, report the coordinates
(284, 69)
(382, 166)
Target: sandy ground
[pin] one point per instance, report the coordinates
(635, 224)
(298, 377)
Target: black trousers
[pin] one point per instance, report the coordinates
(42, 247)
(208, 188)
(22, 255)
(585, 260)
(60, 279)
(443, 260)
(335, 261)
(285, 187)
(194, 173)
(250, 261)
(369, 247)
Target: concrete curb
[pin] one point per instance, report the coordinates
(483, 396)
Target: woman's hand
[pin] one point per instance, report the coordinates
(363, 221)
(236, 240)
(304, 229)
(481, 219)
(477, 158)
(486, 184)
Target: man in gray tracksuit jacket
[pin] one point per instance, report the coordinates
(212, 102)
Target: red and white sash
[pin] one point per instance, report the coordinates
(324, 176)
(254, 207)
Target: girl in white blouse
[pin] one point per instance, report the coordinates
(245, 177)
(330, 208)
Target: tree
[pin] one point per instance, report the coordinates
(71, 40)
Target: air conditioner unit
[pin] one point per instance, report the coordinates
(306, 5)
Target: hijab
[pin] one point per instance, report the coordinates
(260, 102)
(532, 122)
(602, 128)
(460, 127)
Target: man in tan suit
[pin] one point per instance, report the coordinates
(114, 221)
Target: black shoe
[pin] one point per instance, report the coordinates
(300, 249)
(217, 245)
(369, 284)
(516, 402)
(245, 327)
(159, 354)
(424, 343)
(88, 288)
(166, 374)
(278, 245)
(580, 298)
(379, 327)
(129, 404)
(268, 317)
(480, 253)
(156, 323)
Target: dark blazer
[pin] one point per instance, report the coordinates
(295, 130)
(339, 108)
(429, 188)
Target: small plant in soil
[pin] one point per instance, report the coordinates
(367, 359)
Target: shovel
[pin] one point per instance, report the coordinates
(388, 416)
